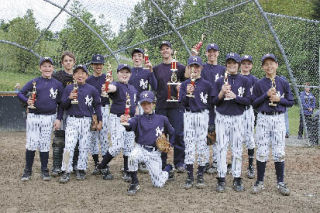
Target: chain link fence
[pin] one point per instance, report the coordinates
(114, 28)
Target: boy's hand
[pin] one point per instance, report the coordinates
(190, 88)
(272, 91)
(124, 118)
(56, 124)
(274, 98)
(30, 101)
(73, 95)
(149, 65)
(230, 94)
(99, 126)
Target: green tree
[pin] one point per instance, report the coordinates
(316, 9)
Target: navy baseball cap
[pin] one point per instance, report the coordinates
(97, 59)
(123, 66)
(146, 96)
(165, 43)
(194, 60)
(246, 58)
(212, 46)
(137, 50)
(45, 59)
(233, 56)
(268, 56)
(80, 66)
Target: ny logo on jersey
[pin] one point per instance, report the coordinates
(279, 95)
(53, 93)
(88, 100)
(159, 131)
(241, 91)
(134, 98)
(217, 77)
(204, 98)
(143, 84)
(251, 90)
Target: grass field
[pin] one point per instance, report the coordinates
(294, 119)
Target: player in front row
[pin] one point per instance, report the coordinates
(45, 96)
(148, 127)
(248, 115)
(79, 122)
(195, 96)
(231, 96)
(271, 95)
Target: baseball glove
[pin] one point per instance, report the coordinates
(94, 123)
(163, 144)
(211, 137)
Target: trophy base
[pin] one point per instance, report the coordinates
(190, 96)
(174, 83)
(125, 124)
(172, 100)
(228, 99)
(74, 102)
(31, 107)
(272, 104)
(105, 95)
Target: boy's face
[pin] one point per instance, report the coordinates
(80, 76)
(307, 89)
(147, 107)
(124, 76)
(196, 69)
(270, 67)
(68, 63)
(212, 55)
(232, 66)
(246, 66)
(137, 59)
(165, 51)
(46, 69)
(97, 68)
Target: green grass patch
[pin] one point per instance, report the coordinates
(8, 80)
(294, 119)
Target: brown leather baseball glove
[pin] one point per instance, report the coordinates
(163, 144)
(94, 123)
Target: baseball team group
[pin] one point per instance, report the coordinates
(195, 108)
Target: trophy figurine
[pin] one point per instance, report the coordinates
(75, 89)
(33, 95)
(127, 109)
(146, 56)
(173, 80)
(108, 81)
(273, 85)
(196, 48)
(226, 83)
(192, 82)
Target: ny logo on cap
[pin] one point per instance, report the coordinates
(145, 95)
(125, 65)
(164, 42)
(195, 59)
(98, 57)
(212, 45)
(246, 56)
(231, 54)
(46, 58)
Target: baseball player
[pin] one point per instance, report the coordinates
(65, 76)
(99, 137)
(148, 127)
(248, 115)
(195, 95)
(79, 121)
(42, 116)
(211, 72)
(121, 93)
(271, 96)
(173, 110)
(142, 79)
(231, 96)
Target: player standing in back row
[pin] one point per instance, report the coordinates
(271, 95)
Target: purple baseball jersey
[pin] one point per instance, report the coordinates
(212, 73)
(97, 82)
(142, 78)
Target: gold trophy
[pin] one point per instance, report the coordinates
(273, 85)
(108, 80)
(75, 89)
(174, 80)
(192, 82)
(196, 48)
(33, 95)
(127, 109)
(226, 83)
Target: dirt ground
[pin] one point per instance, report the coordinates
(97, 195)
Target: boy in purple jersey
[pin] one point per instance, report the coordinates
(65, 76)
(271, 97)
(248, 116)
(123, 96)
(41, 119)
(148, 127)
(195, 95)
(231, 96)
(99, 137)
(211, 72)
(79, 122)
(172, 110)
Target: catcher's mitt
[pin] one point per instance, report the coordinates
(94, 123)
(163, 144)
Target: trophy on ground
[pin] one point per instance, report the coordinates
(173, 81)
(192, 82)
(273, 85)
(33, 95)
(127, 109)
(75, 89)
(108, 81)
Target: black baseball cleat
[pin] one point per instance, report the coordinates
(258, 187)
(171, 175)
(181, 169)
(142, 168)
(106, 174)
(80, 175)
(221, 185)
(250, 172)
(45, 175)
(56, 171)
(237, 185)
(283, 189)
(26, 175)
(65, 177)
(126, 176)
(188, 184)
(133, 188)
(200, 182)
(96, 171)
